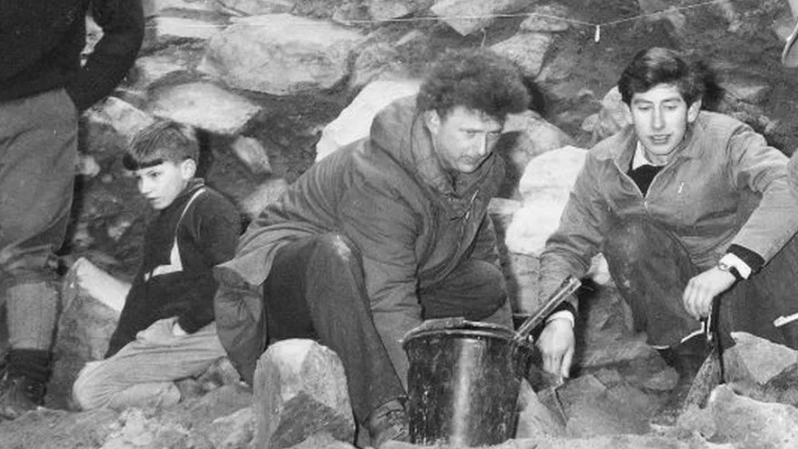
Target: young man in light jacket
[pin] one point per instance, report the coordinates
(687, 206)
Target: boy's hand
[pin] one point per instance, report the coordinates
(556, 344)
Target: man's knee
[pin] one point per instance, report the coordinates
(337, 247)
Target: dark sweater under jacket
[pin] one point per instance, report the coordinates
(207, 236)
(42, 40)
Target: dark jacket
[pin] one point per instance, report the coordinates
(42, 40)
(389, 195)
(207, 236)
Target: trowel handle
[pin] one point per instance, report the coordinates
(566, 289)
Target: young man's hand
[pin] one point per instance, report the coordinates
(703, 288)
(556, 344)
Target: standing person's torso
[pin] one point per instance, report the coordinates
(41, 41)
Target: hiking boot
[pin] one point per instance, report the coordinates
(18, 394)
(388, 422)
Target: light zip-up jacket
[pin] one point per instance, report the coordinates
(390, 196)
(724, 186)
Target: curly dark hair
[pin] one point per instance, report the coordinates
(477, 79)
(656, 65)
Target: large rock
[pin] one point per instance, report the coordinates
(109, 128)
(259, 7)
(467, 16)
(300, 390)
(177, 30)
(757, 359)
(153, 69)
(747, 423)
(378, 61)
(544, 187)
(252, 154)
(525, 137)
(281, 54)
(546, 18)
(527, 50)
(749, 89)
(594, 409)
(205, 106)
(84, 331)
(175, 7)
(613, 116)
(391, 9)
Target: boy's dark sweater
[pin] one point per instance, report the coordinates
(41, 42)
(207, 236)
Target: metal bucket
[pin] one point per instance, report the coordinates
(463, 383)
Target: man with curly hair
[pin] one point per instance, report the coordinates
(380, 235)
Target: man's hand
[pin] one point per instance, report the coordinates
(703, 288)
(556, 344)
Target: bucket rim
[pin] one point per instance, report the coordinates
(461, 328)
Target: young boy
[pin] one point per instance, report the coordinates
(166, 330)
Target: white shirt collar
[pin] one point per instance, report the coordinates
(640, 158)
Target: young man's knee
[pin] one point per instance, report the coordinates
(629, 240)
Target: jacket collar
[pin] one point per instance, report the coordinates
(193, 185)
(431, 171)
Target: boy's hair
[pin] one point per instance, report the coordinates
(160, 142)
(657, 65)
(476, 79)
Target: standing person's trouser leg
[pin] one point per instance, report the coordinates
(316, 290)
(651, 270)
(38, 149)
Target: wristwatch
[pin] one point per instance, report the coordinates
(723, 266)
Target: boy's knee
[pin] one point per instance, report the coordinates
(85, 392)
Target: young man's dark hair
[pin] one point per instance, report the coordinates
(479, 80)
(657, 65)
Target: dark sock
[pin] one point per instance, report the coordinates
(34, 364)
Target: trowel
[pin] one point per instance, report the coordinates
(545, 384)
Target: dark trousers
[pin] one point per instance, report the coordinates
(651, 269)
(316, 289)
